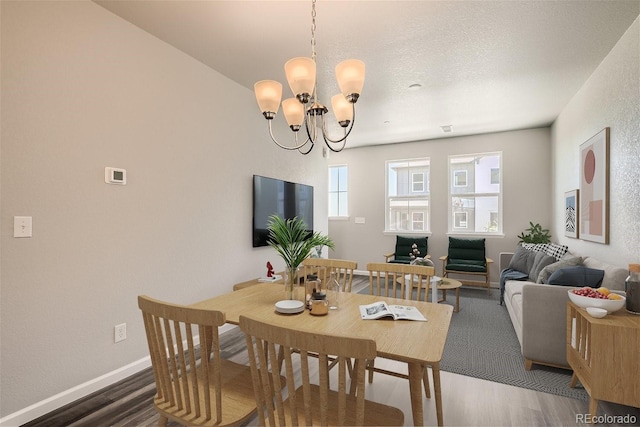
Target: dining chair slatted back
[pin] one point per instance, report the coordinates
(400, 280)
(406, 281)
(194, 385)
(322, 267)
(307, 398)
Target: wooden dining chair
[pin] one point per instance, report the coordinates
(406, 281)
(322, 267)
(400, 280)
(194, 385)
(307, 398)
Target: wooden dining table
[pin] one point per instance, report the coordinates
(419, 344)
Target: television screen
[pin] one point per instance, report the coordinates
(284, 198)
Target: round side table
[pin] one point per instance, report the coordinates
(448, 285)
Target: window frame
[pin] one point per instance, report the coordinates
(473, 197)
(402, 216)
(338, 192)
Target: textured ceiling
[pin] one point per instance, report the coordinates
(483, 66)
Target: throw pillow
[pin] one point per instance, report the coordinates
(577, 276)
(553, 249)
(557, 251)
(543, 277)
(522, 260)
(541, 261)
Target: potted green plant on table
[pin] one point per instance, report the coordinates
(293, 243)
(535, 234)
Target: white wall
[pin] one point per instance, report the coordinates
(81, 90)
(526, 177)
(610, 98)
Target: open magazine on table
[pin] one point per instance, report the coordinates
(380, 310)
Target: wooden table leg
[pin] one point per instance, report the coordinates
(593, 408)
(415, 390)
(435, 370)
(457, 299)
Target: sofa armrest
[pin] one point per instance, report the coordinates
(544, 323)
(505, 259)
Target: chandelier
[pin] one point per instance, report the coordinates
(305, 107)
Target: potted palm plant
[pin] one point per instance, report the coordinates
(291, 240)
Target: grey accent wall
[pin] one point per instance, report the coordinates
(609, 98)
(81, 90)
(526, 162)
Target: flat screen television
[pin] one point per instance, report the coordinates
(284, 198)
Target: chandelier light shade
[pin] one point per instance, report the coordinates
(301, 75)
(268, 94)
(350, 75)
(294, 113)
(305, 108)
(342, 109)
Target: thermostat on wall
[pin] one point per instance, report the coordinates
(115, 176)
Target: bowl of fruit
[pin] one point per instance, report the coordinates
(599, 297)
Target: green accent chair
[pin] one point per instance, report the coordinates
(404, 248)
(468, 257)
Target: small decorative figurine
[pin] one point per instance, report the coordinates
(269, 269)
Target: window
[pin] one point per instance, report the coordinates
(460, 220)
(475, 194)
(417, 221)
(495, 175)
(407, 195)
(338, 191)
(459, 178)
(417, 182)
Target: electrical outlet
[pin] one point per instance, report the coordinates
(120, 332)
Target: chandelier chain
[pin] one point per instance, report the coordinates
(313, 30)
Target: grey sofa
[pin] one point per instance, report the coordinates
(538, 311)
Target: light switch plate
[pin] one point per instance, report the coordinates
(22, 226)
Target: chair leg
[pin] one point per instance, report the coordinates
(425, 380)
(370, 363)
(163, 421)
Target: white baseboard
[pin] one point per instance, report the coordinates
(57, 401)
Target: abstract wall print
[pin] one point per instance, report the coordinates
(594, 188)
(571, 209)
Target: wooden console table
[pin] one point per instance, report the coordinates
(605, 356)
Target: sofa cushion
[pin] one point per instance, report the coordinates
(541, 261)
(614, 277)
(522, 260)
(543, 277)
(577, 276)
(513, 287)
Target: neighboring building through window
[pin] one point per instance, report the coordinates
(475, 193)
(407, 195)
(338, 191)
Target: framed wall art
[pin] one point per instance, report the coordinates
(594, 188)
(571, 208)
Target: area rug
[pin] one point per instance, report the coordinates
(483, 344)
